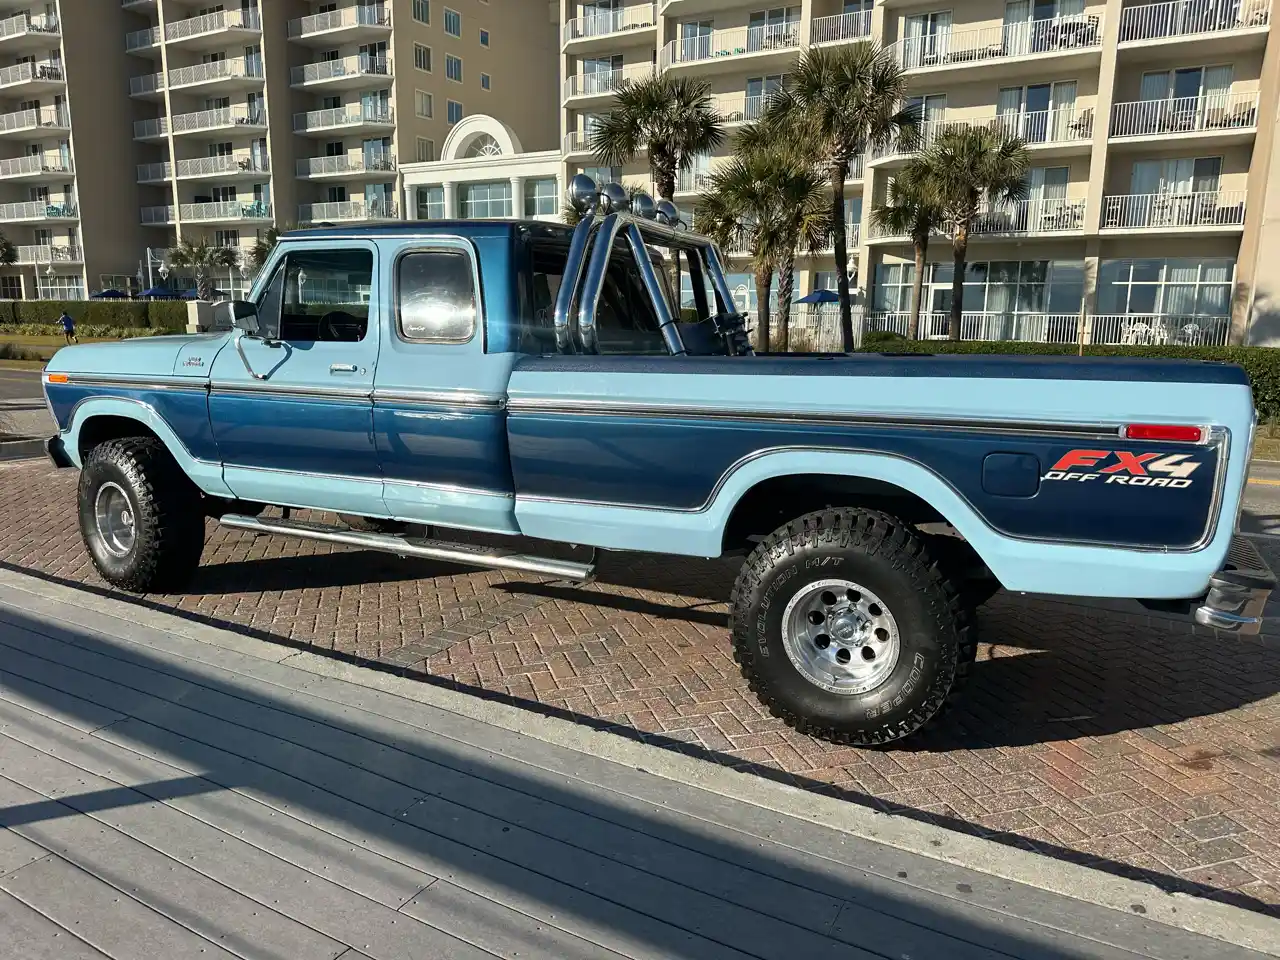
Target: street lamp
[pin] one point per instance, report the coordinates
(164, 272)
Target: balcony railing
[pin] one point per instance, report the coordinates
(154, 172)
(320, 166)
(577, 141)
(348, 210)
(1032, 327)
(853, 235)
(360, 65)
(740, 108)
(26, 72)
(37, 210)
(47, 253)
(238, 116)
(605, 81)
(154, 127)
(1062, 125)
(843, 26)
(1022, 217)
(691, 181)
(1210, 208)
(227, 210)
(357, 16)
(242, 19)
(24, 166)
(218, 70)
(216, 166)
(958, 47)
(147, 83)
(635, 17)
(1180, 18)
(26, 119)
(1215, 111)
(731, 43)
(141, 39)
(163, 214)
(348, 116)
(24, 23)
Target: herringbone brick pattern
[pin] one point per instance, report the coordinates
(1142, 745)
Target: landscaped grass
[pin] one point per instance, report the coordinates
(43, 348)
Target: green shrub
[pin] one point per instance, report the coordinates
(882, 338)
(90, 330)
(11, 351)
(168, 315)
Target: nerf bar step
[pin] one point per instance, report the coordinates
(401, 546)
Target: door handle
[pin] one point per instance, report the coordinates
(342, 368)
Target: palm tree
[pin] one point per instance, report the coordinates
(202, 258)
(968, 168)
(841, 102)
(570, 213)
(911, 210)
(673, 119)
(8, 252)
(260, 252)
(769, 199)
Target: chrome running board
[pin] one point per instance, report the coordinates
(493, 557)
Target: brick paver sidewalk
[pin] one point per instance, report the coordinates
(1142, 746)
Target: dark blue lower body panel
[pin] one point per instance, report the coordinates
(185, 411)
(303, 435)
(443, 445)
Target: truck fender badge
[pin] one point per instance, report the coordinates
(1132, 469)
(193, 362)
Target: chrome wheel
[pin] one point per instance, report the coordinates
(113, 516)
(840, 636)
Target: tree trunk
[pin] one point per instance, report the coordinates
(204, 287)
(664, 170)
(917, 288)
(960, 249)
(786, 285)
(764, 286)
(839, 172)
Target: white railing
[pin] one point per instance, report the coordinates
(923, 136)
(1024, 327)
(154, 172)
(577, 141)
(26, 119)
(26, 23)
(691, 181)
(952, 47)
(843, 26)
(351, 115)
(238, 116)
(605, 81)
(356, 66)
(141, 39)
(730, 43)
(242, 19)
(227, 210)
(215, 166)
(1158, 330)
(1062, 125)
(320, 166)
(218, 70)
(26, 72)
(853, 235)
(1179, 18)
(1020, 217)
(164, 214)
(740, 108)
(33, 164)
(1216, 111)
(815, 328)
(147, 83)
(601, 24)
(47, 253)
(154, 127)
(1212, 208)
(348, 210)
(376, 15)
(37, 210)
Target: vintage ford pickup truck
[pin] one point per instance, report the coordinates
(524, 378)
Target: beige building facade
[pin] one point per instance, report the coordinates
(128, 124)
(1152, 206)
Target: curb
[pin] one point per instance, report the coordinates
(23, 449)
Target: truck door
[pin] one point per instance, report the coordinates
(292, 410)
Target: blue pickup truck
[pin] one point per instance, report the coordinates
(530, 379)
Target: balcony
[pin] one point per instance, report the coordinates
(30, 78)
(1002, 46)
(154, 172)
(611, 28)
(692, 182)
(47, 253)
(50, 120)
(27, 32)
(221, 121)
(1047, 216)
(345, 74)
(215, 31)
(725, 49)
(589, 87)
(577, 142)
(158, 215)
(841, 27)
(233, 73)
(738, 107)
(347, 210)
(353, 119)
(1219, 26)
(1061, 131)
(225, 211)
(36, 168)
(149, 86)
(344, 168)
(1212, 211)
(37, 211)
(142, 41)
(345, 25)
(1217, 118)
(222, 168)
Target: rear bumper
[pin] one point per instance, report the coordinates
(1238, 592)
(57, 453)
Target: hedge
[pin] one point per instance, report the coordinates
(93, 331)
(129, 314)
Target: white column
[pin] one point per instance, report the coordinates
(517, 196)
(410, 202)
(450, 200)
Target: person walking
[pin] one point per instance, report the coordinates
(68, 328)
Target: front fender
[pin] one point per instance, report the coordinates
(204, 474)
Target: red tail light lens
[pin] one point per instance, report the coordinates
(1163, 431)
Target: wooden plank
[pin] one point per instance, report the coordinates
(30, 935)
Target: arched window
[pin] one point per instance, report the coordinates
(483, 146)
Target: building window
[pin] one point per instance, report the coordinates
(431, 203)
(424, 104)
(482, 201)
(1002, 287)
(453, 67)
(603, 175)
(541, 198)
(486, 83)
(452, 22)
(422, 11)
(455, 111)
(226, 238)
(11, 288)
(422, 57)
(824, 280)
(1167, 288)
(426, 150)
(484, 38)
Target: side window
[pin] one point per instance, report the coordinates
(436, 296)
(626, 322)
(319, 296)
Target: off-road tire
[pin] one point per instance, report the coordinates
(166, 508)
(887, 557)
(372, 524)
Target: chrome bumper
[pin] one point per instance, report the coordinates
(1238, 592)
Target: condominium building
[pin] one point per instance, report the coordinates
(1150, 126)
(192, 119)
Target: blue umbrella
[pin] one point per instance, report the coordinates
(160, 293)
(195, 295)
(821, 296)
(108, 295)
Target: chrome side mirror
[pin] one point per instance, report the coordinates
(239, 315)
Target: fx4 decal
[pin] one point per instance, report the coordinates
(1121, 466)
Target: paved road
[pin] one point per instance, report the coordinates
(19, 385)
(172, 797)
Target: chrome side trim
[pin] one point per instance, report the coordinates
(452, 488)
(292, 392)
(302, 473)
(131, 383)
(444, 398)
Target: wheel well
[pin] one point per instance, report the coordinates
(771, 503)
(98, 430)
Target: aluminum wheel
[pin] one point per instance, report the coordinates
(840, 636)
(113, 515)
